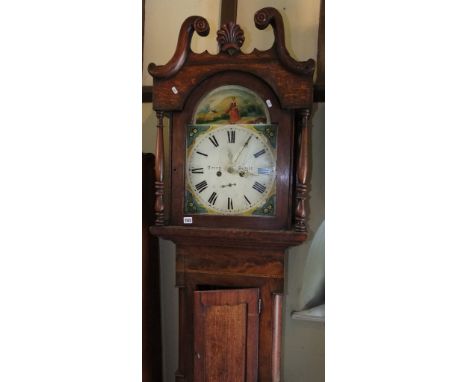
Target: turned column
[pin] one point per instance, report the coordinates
(302, 175)
(159, 170)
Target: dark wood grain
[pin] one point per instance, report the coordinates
(293, 90)
(232, 261)
(318, 94)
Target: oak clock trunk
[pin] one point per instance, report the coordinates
(238, 178)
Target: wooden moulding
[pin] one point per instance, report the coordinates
(230, 237)
(319, 94)
(291, 80)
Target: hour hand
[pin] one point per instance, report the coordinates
(245, 173)
(260, 171)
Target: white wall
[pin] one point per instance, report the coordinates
(303, 342)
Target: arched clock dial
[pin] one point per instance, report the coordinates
(231, 170)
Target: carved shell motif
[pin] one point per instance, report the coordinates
(230, 38)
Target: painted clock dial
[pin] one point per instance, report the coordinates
(231, 156)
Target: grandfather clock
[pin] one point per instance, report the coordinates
(239, 142)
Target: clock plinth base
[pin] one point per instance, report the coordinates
(225, 262)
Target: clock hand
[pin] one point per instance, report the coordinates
(242, 149)
(244, 173)
(228, 185)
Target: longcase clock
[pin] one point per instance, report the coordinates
(239, 142)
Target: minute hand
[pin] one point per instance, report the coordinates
(242, 149)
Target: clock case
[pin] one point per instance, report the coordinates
(219, 253)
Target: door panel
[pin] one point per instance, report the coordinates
(226, 335)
